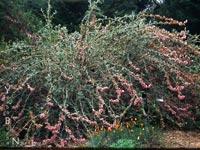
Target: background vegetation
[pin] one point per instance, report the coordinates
(19, 17)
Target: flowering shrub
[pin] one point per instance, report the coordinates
(58, 85)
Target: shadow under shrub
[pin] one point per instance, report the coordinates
(62, 84)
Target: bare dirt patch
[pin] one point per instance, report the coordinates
(180, 139)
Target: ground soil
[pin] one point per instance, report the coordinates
(180, 139)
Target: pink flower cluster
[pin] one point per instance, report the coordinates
(178, 60)
(19, 115)
(62, 117)
(54, 129)
(29, 87)
(101, 105)
(182, 35)
(177, 89)
(17, 105)
(48, 101)
(114, 100)
(50, 104)
(177, 55)
(104, 122)
(127, 86)
(102, 89)
(77, 117)
(171, 110)
(137, 101)
(119, 91)
(142, 83)
(137, 69)
(179, 112)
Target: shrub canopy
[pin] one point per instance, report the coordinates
(58, 85)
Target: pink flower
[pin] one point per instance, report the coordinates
(12, 132)
(102, 89)
(71, 65)
(16, 106)
(179, 88)
(186, 83)
(137, 101)
(55, 132)
(62, 142)
(150, 67)
(172, 89)
(68, 131)
(119, 91)
(114, 100)
(1, 108)
(15, 118)
(180, 96)
(134, 67)
(183, 109)
(29, 87)
(184, 62)
(50, 104)
(42, 115)
(38, 125)
(3, 98)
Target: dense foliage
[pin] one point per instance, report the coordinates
(57, 85)
(17, 22)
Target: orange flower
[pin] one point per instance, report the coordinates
(127, 125)
(133, 120)
(109, 129)
(116, 125)
(96, 128)
(96, 133)
(102, 128)
(141, 124)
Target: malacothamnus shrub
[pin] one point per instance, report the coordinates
(58, 85)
